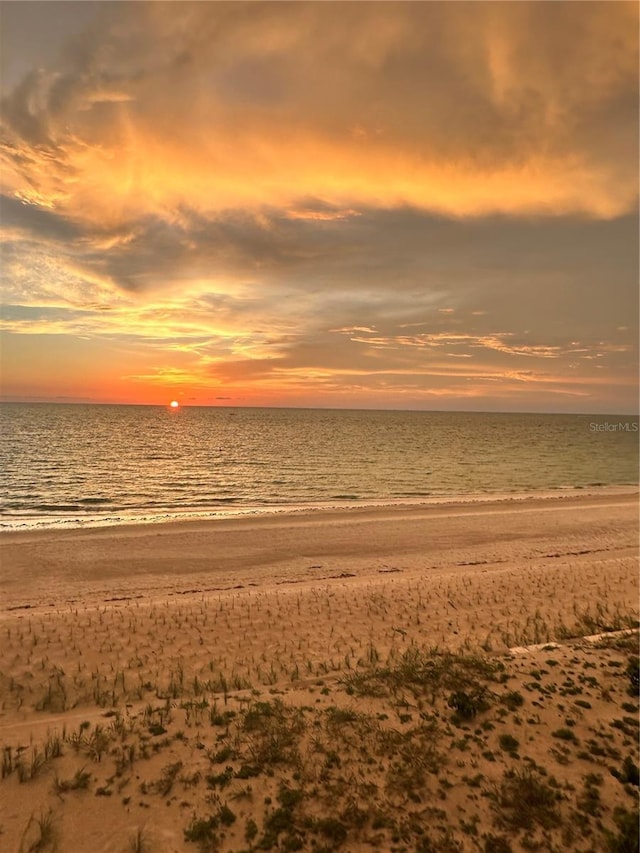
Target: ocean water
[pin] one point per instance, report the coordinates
(74, 465)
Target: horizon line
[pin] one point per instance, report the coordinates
(84, 402)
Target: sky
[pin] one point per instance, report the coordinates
(421, 205)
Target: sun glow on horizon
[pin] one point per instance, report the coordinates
(424, 227)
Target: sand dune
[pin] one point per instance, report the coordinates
(153, 658)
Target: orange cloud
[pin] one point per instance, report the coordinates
(190, 107)
(375, 201)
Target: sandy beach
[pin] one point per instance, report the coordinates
(266, 682)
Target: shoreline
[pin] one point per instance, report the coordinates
(53, 568)
(303, 514)
(44, 524)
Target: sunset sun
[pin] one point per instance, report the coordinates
(386, 255)
(427, 227)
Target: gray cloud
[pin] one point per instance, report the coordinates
(564, 277)
(38, 222)
(237, 182)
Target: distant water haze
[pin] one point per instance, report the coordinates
(73, 465)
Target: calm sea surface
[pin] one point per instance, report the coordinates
(84, 464)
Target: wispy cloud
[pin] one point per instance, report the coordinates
(374, 201)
